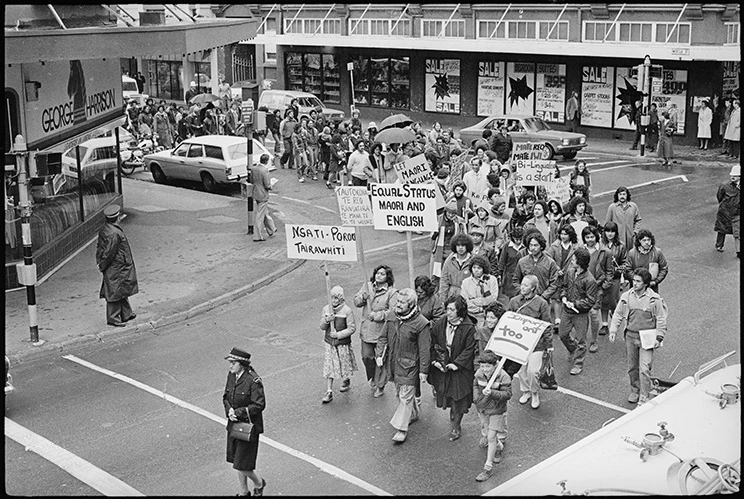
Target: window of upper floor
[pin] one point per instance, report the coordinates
(637, 32)
(377, 27)
(433, 28)
(524, 30)
(733, 30)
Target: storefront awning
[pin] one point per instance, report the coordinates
(92, 133)
(137, 41)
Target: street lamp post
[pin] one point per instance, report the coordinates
(644, 76)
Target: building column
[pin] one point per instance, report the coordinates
(214, 76)
(187, 73)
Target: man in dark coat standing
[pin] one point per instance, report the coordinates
(114, 259)
(573, 111)
(406, 339)
(502, 145)
(729, 208)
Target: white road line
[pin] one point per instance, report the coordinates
(593, 400)
(323, 466)
(392, 245)
(564, 168)
(79, 468)
(309, 203)
(652, 182)
(607, 162)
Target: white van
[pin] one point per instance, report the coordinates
(130, 90)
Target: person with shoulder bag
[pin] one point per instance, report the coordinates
(244, 403)
(339, 360)
(641, 315)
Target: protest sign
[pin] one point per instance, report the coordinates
(353, 206)
(515, 336)
(406, 207)
(413, 170)
(560, 190)
(535, 172)
(527, 151)
(321, 242)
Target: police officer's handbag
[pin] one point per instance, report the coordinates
(240, 430)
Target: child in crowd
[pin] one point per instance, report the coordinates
(339, 360)
(491, 404)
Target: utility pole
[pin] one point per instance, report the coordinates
(27, 270)
(644, 76)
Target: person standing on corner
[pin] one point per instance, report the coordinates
(263, 223)
(653, 127)
(406, 335)
(705, 118)
(639, 308)
(729, 209)
(114, 259)
(733, 130)
(244, 400)
(573, 111)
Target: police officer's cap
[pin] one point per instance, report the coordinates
(112, 211)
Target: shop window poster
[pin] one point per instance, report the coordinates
(626, 95)
(597, 84)
(550, 92)
(491, 81)
(442, 80)
(670, 94)
(521, 88)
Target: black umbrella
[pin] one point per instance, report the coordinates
(396, 120)
(204, 98)
(395, 135)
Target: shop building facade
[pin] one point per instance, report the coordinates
(456, 63)
(63, 94)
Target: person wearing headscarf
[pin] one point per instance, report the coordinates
(339, 360)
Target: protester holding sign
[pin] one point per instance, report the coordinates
(452, 356)
(529, 303)
(339, 360)
(375, 300)
(491, 405)
(639, 310)
(456, 267)
(476, 183)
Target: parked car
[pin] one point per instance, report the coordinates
(280, 99)
(209, 159)
(528, 129)
(130, 91)
(97, 164)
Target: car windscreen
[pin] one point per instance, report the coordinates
(536, 124)
(237, 151)
(129, 86)
(71, 153)
(311, 102)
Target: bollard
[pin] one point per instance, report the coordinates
(247, 188)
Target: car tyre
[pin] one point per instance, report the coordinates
(208, 182)
(570, 155)
(548, 152)
(158, 175)
(127, 168)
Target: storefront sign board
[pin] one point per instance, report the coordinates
(673, 96)
(521, 88)
(597, 96)
(550, 92)
(442, 80)
(491, 83)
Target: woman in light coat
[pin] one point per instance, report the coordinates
(375, 300)
(705, 118)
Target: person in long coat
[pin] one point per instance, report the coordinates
(452, 355)
(406, 338)
(114, 260)
(729, 209)
(733, 130)
(705, 118)
(163, 128)
(666, 131)
(626, 215)
(244, 400)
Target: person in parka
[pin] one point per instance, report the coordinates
(407, 339)
(729, 208)
(114, 260)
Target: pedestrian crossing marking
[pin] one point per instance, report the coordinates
(219, 219)
(149, 208)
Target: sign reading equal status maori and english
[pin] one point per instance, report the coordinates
(353, 206)
(515, 336)
(407, 207)
(321, 242)
(530, 168)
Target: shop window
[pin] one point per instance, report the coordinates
(382, 82)
(13, 241)
(317, 74)
(164, 79)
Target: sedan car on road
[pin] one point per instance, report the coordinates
(529, 129)
(209, 159)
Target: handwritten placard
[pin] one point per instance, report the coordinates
(560, 190)
(515, 336)
(321, 242)
(407, 207)
(527, 151)
(414, 170)
(535, 172)
(353, 206)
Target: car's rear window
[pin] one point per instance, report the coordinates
(213, 152)
(238, 151)
(129, 86)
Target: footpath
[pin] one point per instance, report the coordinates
(192, 255)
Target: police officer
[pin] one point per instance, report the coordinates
(244, 401)
(114, 260)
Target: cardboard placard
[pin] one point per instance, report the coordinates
(406, 207)
(321, 242)
(560, 190)
(515, 336)
(535, 172)
(413, 170)
(353, 206)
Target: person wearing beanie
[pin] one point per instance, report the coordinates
(729, 207)
(191, 93)
(339, 326)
